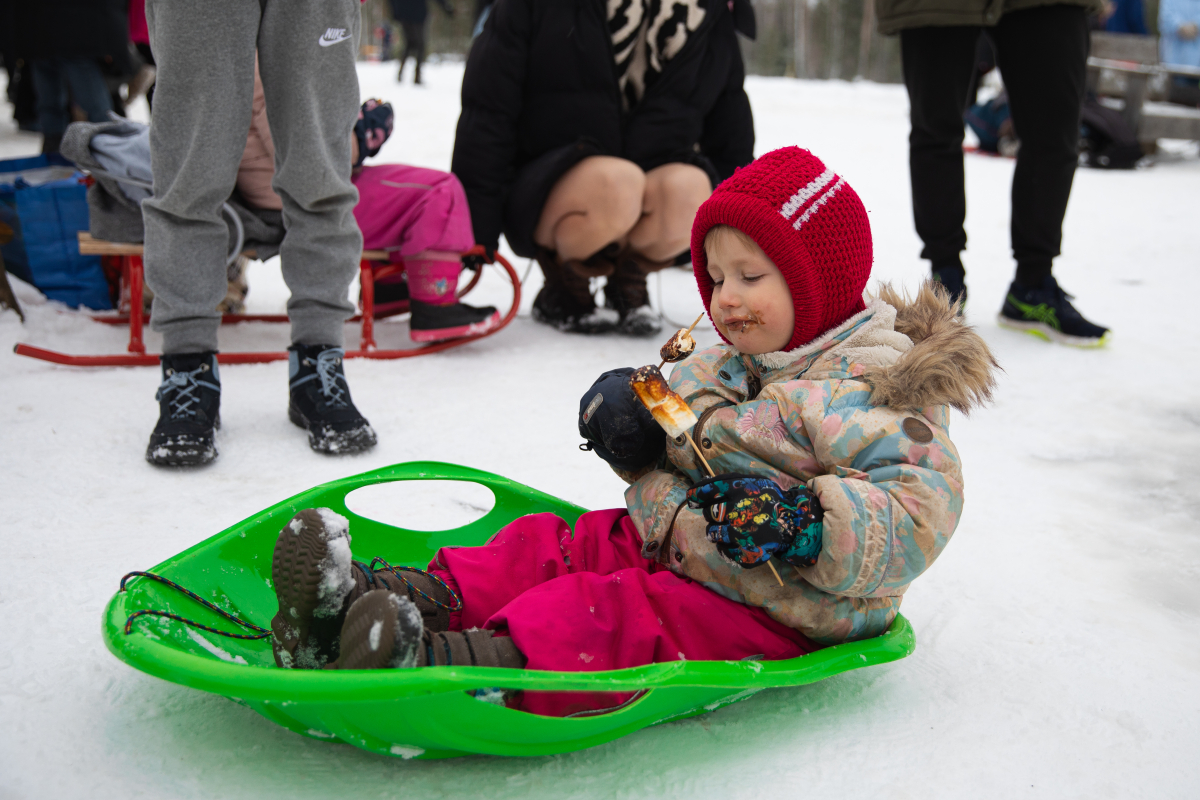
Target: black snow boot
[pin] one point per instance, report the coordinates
(430, 323)
(566, 302)
(384, 630)
(316, 582)
(320, 401)
(189, 409)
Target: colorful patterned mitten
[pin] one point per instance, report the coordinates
(751, 519)
(373, 128)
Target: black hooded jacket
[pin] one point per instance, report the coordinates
(541, 77)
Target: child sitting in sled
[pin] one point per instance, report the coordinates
(825, 417)
(419, 216)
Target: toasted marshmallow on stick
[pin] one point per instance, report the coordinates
(678, 348)
(667, 408)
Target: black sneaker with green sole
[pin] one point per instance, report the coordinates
(1045, 311)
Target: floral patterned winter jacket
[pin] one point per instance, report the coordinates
(861, 417)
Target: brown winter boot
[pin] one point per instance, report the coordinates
(383, 630)
(627, 294)
(316, 581)
(566, 302)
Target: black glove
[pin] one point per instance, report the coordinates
(752, 519)
(373, 128)
(616, 424)
(476, 262)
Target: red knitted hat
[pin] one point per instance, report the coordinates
(809, 222)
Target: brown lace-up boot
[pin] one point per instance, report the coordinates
(383, 630)
(316, 581)
(566, 302)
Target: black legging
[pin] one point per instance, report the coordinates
(1042, 56)
(414, 44)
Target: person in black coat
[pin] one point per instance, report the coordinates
(412, 15)
(591, 131)
(66, 42)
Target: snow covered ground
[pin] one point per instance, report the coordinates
(1058, 637)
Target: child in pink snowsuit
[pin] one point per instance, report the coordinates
(419, 216)
(825, 419)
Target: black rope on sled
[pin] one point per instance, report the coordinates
(456, 601)
(260, 633)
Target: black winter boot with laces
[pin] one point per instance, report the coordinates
(320, 401)
(189, 404)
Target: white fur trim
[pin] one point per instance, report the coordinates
(782, 358)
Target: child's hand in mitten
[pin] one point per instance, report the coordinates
(751, 519)
(373, 128)
(616, 424)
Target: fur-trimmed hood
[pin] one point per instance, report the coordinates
(948, 363)
(916, 352)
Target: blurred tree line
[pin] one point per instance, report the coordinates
(804, 38)
(825, 39)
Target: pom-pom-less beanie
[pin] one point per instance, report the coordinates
(809, 222)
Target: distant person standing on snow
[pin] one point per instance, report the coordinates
(1041, 50)
(1179, 32)
(413, 16)
(65, 42)
(202, 108)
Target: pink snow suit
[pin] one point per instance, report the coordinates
(404, 210)
(587, 600)
(409, 210)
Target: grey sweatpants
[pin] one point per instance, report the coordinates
(202, 107)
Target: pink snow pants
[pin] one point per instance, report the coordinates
(588, 601)
(408, 210)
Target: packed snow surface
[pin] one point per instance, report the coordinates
(1058, 637)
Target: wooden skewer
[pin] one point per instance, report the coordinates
(685, 333)
(712, 474)
(703, 460)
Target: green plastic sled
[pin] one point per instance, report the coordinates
(419, 713)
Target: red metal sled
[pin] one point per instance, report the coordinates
(374, 264)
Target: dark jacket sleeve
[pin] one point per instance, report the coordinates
(728, 136)
(485, 144)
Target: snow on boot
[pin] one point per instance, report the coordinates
(311, 569)
(437, 323)
(320, 401)
(626, 293)
(384, 630)
(313, 577)
(565, 302)
(189, 409)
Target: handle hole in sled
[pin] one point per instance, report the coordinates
(423, 505)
